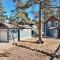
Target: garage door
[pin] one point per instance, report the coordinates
(3, 35)
(25, 34)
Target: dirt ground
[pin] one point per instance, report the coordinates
(5, 47)
(12, 52)
(19, 53)
(49, 45)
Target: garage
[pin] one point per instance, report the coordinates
(3, 32)
(10, 34)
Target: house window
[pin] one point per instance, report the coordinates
(56, 23)
(49, 24)
(59, 23)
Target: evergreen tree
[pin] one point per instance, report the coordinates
(2, 11)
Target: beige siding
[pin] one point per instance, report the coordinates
(3, 35)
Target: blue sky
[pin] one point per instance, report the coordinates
(34, 8)
(9, 5)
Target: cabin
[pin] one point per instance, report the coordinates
(11, 33)
(52, 27)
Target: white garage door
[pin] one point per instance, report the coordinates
(25, 34)
(3, 35)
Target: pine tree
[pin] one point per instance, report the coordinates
(2, 11)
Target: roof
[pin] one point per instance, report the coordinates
(53, 18)
(5, 26)
(54, 28)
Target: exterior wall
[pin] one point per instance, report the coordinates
(3, 35)
(47, 31)
(56, 23)
(59, 23)
(51, 33)
(55, 33)
(24, 34)
(44, 29)
(13, 35)
(52, 24)
(59, 33)
(49, 24)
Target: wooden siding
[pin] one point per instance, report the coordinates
(3, 35)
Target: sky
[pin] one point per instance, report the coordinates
(9, 5)
(31, 10)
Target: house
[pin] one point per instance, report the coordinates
(52, 27)
(11, 33)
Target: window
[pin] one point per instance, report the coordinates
(56, 23)
(59, 23)
(49, 24)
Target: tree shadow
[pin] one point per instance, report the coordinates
(52, 55)
(5, 54)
